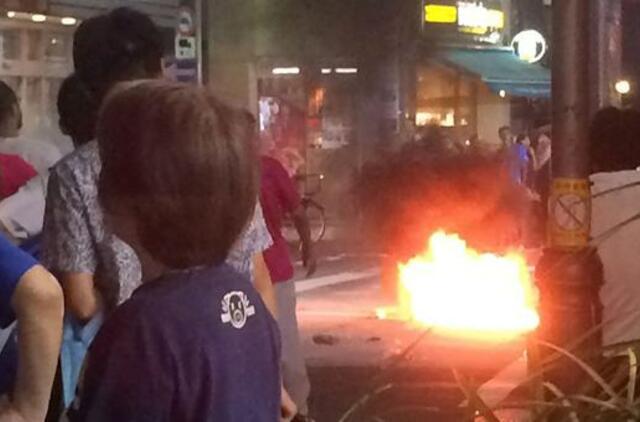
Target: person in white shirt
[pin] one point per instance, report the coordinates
(615, 156)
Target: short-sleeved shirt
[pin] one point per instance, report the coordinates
(75, 238)
(197, 345)
(620, 294)
(14, 263)
(518, 161)
(41, 155)
(15, 173)
(278, 197)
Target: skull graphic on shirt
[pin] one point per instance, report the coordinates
(236, 309)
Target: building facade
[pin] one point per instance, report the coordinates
(36, 38)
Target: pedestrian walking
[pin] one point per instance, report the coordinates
(279, 198)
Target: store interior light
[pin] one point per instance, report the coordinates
(502, 93)
(326, 70)
(41, 18)
(68, 21)
(286, 70)
(346, 70)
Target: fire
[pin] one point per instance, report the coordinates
(459, 291)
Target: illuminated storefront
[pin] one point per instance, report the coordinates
(466, 73)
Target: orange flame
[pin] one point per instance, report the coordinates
(458, 291)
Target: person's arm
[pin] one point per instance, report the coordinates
(67, 246)
(288, 408)
(292, 204)
(80, 296)
(38, 305)
(263, 284)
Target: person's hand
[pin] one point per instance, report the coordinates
(8, 412)
(309, 260)
(288, 409)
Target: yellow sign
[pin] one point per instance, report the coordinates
(570, 213)
(470, 17)
(438, 13)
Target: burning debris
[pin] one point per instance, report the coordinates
(468, 281)
(458, 291)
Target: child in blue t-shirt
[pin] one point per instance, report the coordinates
(195, 342)
(33, 298)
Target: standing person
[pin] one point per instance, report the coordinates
(543, 165)
(97, 270)
(15, 170)
(22, 207)
(212, 352)
(515, 155)
(279, 197)
(33, 298)
(77, 111)
(506, 137)
(530, 161)
(616, 189)
(40, 155)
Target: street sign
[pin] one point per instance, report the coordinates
(186, 47)
(570, 213)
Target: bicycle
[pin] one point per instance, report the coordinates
(313, 209)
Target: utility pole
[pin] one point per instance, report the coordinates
(570, 273)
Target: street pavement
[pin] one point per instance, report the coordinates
(351, 353)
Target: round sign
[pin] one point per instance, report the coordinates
(529, 46)
(186, 25)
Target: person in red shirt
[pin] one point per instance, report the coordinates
(14, 171)
(279, 197)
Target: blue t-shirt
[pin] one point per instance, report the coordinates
(198, 345)
(518, 160)
(14, 263)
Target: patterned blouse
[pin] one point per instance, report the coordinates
(75, 239)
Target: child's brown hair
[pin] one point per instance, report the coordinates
(182, 164)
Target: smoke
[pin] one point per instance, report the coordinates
(409, 195)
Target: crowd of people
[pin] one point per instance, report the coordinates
(146, 272)
(163, 287)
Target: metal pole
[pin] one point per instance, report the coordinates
(570, 88)
(570, 274)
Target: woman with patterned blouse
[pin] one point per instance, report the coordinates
(97, 270)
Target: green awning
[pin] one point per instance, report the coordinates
(501, 70)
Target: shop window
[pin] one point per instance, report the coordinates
(10, 43)
(445, 98)
(57, 46)
(34, 45)
(37, 59)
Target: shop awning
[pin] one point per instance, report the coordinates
(501, 70)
